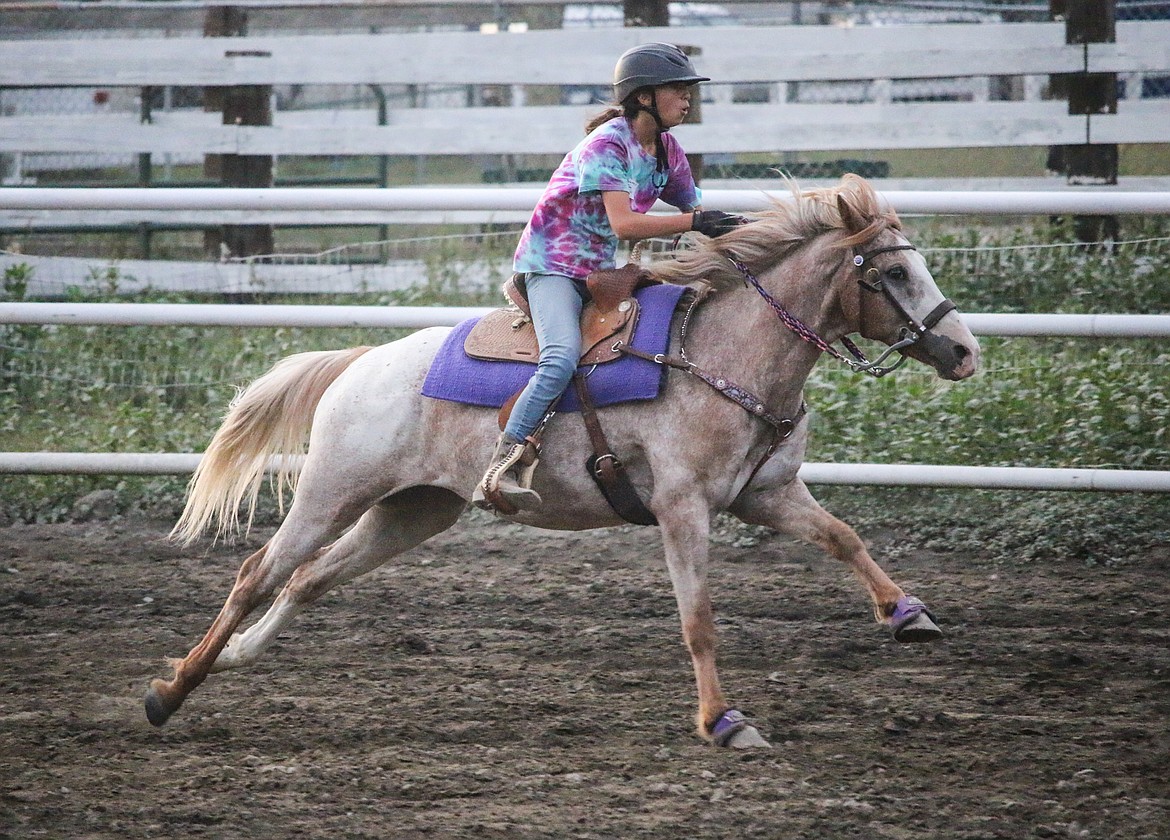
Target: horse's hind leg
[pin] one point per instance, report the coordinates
(304, 531)
(391, 527)
(164, 697)
(792, 510)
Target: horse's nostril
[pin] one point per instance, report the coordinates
(961, 352)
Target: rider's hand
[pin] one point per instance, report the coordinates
(715, 222)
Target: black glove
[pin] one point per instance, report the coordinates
(715, 222)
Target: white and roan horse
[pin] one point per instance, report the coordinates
(386, 468)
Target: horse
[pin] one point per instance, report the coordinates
(386, 468)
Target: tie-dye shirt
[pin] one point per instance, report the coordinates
(569, 232)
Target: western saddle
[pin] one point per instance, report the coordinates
(508, 335)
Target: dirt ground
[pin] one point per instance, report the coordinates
(502, 682)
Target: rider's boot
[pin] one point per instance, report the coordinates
(507, 485)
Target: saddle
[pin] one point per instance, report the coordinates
(508, 334)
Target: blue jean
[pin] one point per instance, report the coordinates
(556, 302)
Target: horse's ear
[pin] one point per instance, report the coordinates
(852, 220)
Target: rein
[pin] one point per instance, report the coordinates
(782, 427)
(870, 280)
(607, 470)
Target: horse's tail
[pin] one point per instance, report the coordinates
(272, 416)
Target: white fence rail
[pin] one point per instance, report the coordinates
(891, 475)
(1086, 201)
(575, 57)
(55, 207)
(727, 128)
(411, 317)
(415, 317)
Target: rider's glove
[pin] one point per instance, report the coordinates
(715, 222)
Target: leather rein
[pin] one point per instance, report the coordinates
(745, 399)
(871, 280)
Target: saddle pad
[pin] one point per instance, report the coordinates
(457, 377)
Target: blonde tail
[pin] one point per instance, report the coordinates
(272, 416)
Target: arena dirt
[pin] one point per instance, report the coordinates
(502, 682)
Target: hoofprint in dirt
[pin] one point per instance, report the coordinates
(508, 682)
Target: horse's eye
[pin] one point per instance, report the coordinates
(897, 272)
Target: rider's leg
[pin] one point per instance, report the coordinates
(556, 303)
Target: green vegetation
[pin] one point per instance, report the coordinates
(1037, 402)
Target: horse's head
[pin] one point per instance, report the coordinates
(889, 293)
(881, 285)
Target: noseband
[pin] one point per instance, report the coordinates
(871, 280)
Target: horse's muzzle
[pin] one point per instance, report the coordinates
(952, 359)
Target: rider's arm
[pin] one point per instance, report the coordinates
(630, 225)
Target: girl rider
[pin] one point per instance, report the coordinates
(601, 192)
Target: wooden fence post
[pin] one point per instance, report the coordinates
(646, 12)
(657, 13)
(240, 105)
(145, 170)
(1088, 22)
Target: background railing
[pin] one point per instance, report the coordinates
(80, 314)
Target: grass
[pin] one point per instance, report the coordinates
(1037, 402)
(1041, 403)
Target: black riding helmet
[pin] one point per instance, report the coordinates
(650, 65)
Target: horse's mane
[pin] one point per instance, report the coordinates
(777, 232)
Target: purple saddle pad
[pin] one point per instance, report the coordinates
(457, 377)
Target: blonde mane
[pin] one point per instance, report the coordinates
(777, 232)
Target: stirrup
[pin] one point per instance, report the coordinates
(507, 485)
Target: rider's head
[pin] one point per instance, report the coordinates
(646, 67)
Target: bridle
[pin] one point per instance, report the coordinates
(871, 280)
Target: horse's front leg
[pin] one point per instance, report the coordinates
(791, 509)
(685, 527)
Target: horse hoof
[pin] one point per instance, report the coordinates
(733, 730)
(917, 630)
(747, 738)
(913, 623)
(158, 708)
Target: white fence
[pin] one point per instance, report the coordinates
(416, 317)
(48, 207)
(778, 57)
(917, 475)
(516, 86)
(875, 474)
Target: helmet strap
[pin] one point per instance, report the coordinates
(659, 147)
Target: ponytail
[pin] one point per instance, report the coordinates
(612, 112)
(629, 109)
